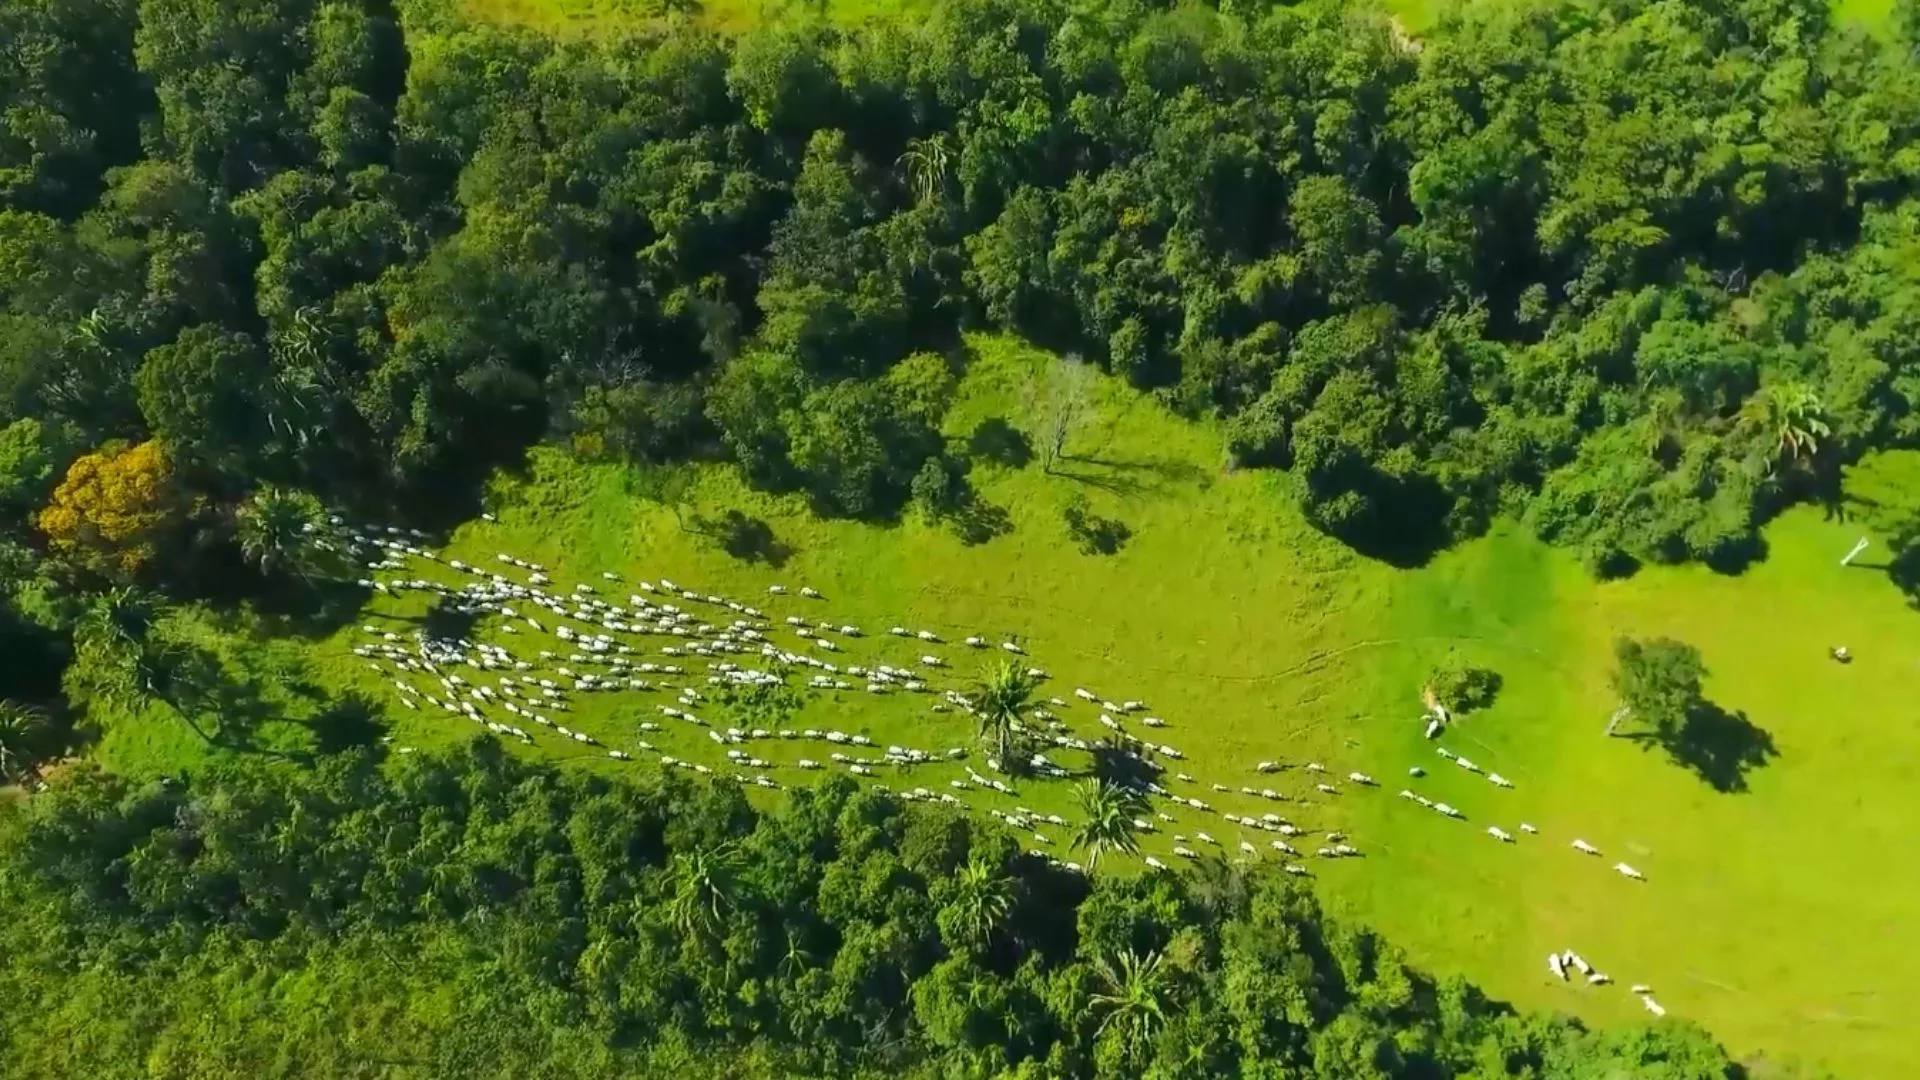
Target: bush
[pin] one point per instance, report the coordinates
(1462, 688)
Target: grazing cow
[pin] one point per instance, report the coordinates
(1556, 965)
(1652, 1005)
(1585, 848)
(1499, 834)
(1628, 871)
(1155, 864)
(1526, 828)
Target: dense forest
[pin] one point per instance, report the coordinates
(1638, 274)
(473, 915)
(1641, 272)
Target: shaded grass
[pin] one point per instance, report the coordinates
(1777, 916)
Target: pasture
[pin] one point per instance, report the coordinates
(1776, 912)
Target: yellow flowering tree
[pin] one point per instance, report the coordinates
(112, 507)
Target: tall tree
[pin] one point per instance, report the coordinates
(1000, 697)
(1106, 825)
(277, 529)
(980, 903)
(705, 888)
(1132, 999)
(1658, 683)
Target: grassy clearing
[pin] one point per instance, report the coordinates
(1777, 915)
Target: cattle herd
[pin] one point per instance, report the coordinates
(690, 649)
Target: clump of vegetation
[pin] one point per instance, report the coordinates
(1658, 682)
(1460, 687)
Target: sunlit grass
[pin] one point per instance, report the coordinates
(1775, 916)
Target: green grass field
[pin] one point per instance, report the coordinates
(1780, 916)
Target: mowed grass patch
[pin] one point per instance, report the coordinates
(1774, 914)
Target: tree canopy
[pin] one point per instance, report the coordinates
(1642, 303)
(465, 913)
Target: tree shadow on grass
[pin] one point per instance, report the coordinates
(1720, 747)
(1094, 534)
(744, 537)
(1118, 765)
(978, 521)
(350, 722)
(998, 441)
(1128, 477)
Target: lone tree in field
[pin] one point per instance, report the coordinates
(1061, 407)
(999, 698)
(1658, 682)
(1461, 687)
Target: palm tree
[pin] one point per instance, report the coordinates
(704, 888)
(982, 899)
(1793, 415)
(797, 957)
(999, 699)
(276, 528)
(1133, 997)
(1108, 811)
(925, 163)
(113, 639)
(23, 737)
